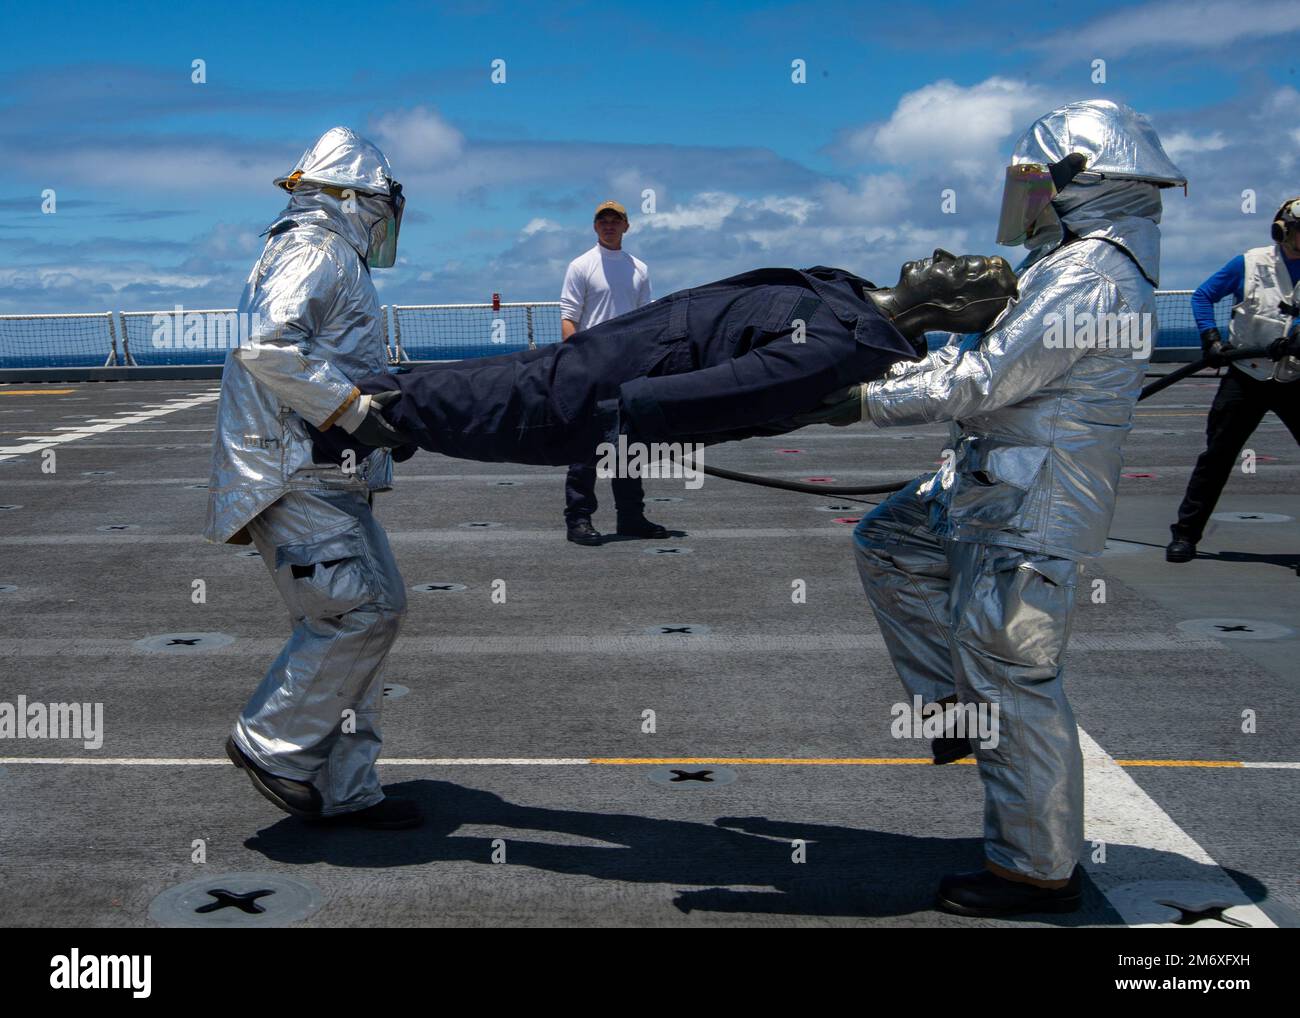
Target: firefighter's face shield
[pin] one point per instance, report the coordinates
(381, 250)
(1027, 192)
(383, 235)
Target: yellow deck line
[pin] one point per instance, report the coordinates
(1180, 763)
(35, 392)
(611, 761)
(853, 761)
(827, 761)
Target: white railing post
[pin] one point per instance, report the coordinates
(111, 359)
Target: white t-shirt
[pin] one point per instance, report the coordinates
(603, 284)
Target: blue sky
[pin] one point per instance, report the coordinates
(163, 185)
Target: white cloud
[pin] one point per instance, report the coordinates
(1181, 143)
(416, 140)
(944, 124)
(628, 187)
(789, 206)
(1283, 102)
(537, 225)
(880, 199)
(98, 276)
(170, 166)
(707, 212)
(227, 240)
(1179, 24)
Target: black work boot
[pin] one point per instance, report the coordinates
(1180, 550)
(639, 526)
(989, 896)
(582, 532)
(388, 814)
(295, 797)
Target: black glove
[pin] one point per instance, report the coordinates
(1213, 347)
(1286, 346)
(839, 409)
(374, 429)
(329, 446)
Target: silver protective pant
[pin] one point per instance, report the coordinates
(316, 715)
(988, 624)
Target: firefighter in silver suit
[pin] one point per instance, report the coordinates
(971, 571)
(310, 324)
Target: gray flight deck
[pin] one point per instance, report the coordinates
(521, 734)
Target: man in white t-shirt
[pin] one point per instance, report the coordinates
(601, 284)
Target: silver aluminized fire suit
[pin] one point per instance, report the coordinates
(315, 325)
(971, 572)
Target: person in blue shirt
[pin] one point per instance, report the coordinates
(1259, 281)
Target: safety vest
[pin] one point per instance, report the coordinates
(1258, 319)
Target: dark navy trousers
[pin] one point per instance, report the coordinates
(1239, 406)
(710, 364)
(580, 500)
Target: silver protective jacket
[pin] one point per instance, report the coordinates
(1039, 414)
(314, 325)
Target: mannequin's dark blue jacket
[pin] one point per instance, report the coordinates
(711, 364)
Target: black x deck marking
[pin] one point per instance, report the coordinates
(245, 901)
(691, 775)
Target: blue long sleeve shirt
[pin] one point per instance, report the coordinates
(1230, 279)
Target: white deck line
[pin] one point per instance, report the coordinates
(1120, 815)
